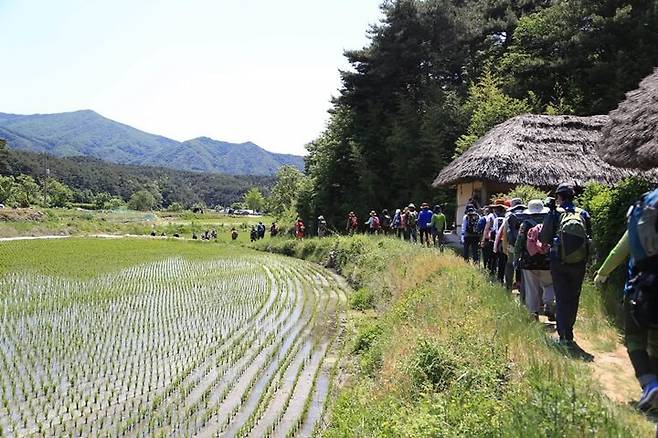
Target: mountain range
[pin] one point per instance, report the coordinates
(88, 134)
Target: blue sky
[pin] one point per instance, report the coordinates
(259, 70)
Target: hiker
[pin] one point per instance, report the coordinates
(322, 226)
(425, 224)
(352, 223)
(470, 237)
(494, 222)
(505, 240)
(532, 259)
(640, 244)
(567, 229)
(482, 224)
(386, 222)
(438, 226)
(411, 221)
(274, 230)
(299, 228)
(261, 230)
(373, 223)
(194, 237)
(253, 235)
(396, 224)
(234, 233)
(213, 234)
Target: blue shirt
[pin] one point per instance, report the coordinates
(424, 218)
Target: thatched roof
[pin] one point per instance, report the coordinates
(630, 139)
(539, 150)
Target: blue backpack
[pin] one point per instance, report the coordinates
(643, 232)
(643, 242)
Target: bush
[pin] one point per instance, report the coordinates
(362, 299)
(607, 207)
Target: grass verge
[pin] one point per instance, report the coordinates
(438, 350)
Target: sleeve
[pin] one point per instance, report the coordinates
(463, 228)
(548, 228)
(487, 228)
(617, 256)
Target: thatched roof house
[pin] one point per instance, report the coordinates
(539, 150)
(630, 139)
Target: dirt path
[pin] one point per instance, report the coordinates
(614, 371)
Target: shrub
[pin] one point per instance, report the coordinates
(431, 366)
(362, 299)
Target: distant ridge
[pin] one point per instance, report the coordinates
(88, 134)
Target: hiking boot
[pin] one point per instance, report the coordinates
(649, 396)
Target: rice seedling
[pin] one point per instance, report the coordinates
(180, 344)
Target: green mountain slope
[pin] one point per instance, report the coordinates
(86, 133)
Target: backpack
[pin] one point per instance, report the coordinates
(495, 227)
(482, 224)
(375, 223)
(513, 224)
(574, 242)
(643, 232)
(643, 243)
(534, 255)
(354, 222)
(386, 222)
(411, 219)
(472, 221)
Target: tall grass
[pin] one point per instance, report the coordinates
(444, 352)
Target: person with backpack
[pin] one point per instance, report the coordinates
(373, 223)
(425, 224)
(299, 228)
(253, 234)
(532, 260)
(438, 226)
(261, 230)
(274, 230)
(494, 222)
(386, 222)
(470, 237)
(505, 240)
(567, 229)
(482, 224)
(396, 224)
(639, 244)
(352, 223)
(322, 226)
(411, 223)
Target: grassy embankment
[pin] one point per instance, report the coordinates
(438, 350)
(32, 222)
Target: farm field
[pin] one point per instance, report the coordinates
(53, 221)
(154, 337)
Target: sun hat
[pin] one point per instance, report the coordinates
(536, 206)
(411, 205)
(565, 189)
(516, 204)
(497, 203)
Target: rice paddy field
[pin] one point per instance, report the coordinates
(160, 338)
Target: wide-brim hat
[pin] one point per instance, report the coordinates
(536, 206)
(498, 203)
(411, 205)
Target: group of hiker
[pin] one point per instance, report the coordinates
(426, 225)
(543, 248)
(258, 231)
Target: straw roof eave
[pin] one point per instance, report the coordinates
(538, 150)
(630, 139)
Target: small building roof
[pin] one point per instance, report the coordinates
(539, 150)
(630, 139)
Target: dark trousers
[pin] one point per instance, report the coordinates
(471, 248)
(567, 283)
(642, 346)
(493, 262)
(487, 254)
(501, 261)
(425, 236)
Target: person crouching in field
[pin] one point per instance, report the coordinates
(639, 244)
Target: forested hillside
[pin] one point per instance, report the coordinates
(89, 176)
(437, 74)
(86, 133)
